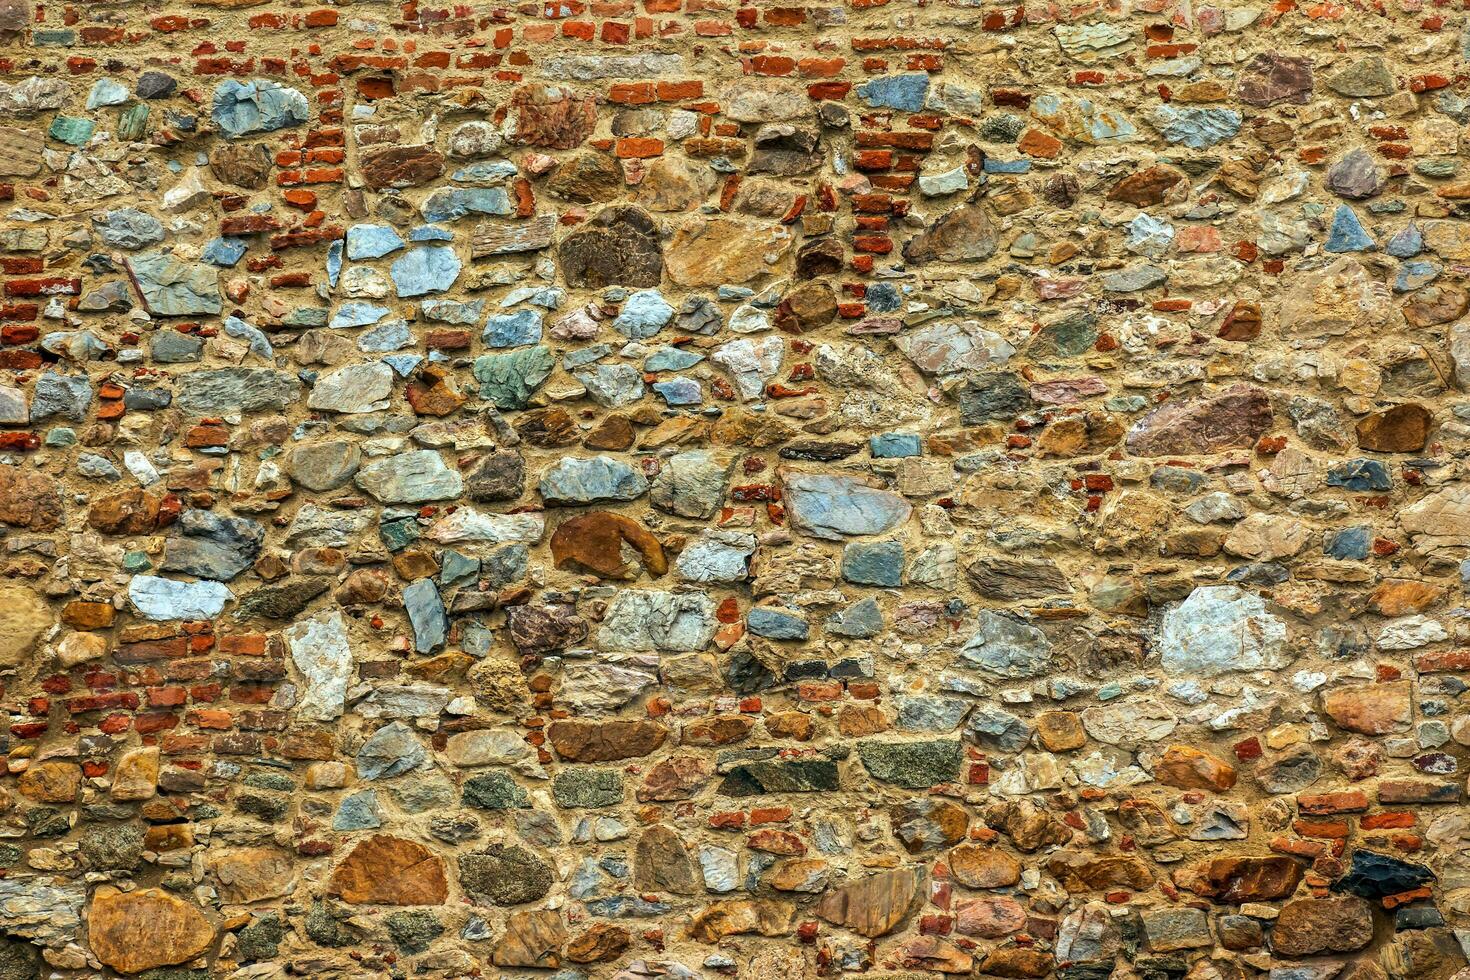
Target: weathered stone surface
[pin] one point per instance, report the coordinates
(1311, 926)
(386, 870)
(872, 906)
(143, 929)
(1233, 419)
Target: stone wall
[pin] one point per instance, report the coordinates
(667, 489)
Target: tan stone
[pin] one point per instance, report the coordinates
(143, 929)
(710, 251)
(1187, 768)
(51, 782)
(979, 866)
(1371, 709)
(250, 874)
(384, 870)
(532, 939)
(872, 906)
(135, 777)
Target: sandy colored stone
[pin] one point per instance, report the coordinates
(139, 930)
(386, 870)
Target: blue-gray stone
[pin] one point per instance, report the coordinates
(172, 347)
(128, 228)
(671, 359)
(167, 599)
(861, 620)
(612, 385)
(1349, 544)
(680, 391)
(449, 203)
(426, 614)
(251, 334)
(430, 233)
(452, 311)
(1360, 475)
(358, 812)
(206, 545)
(905, 92)
(455, 568)
(873, 563)
(513, 329)
(883, 297)
(106, 92)
(894, 445)
(426, 269)
(575, 480)
(225, 252)
(357, 314)
(1414, 275)
(372, 241)
(832, 506)
(386, 337)
(1406, 244)
(171, 287)
(1007, 647)
(643, 315)
(1196, 128)
(334, 262)
(1135, 278)
(775, 624)
(260, 106)
(485, 172)
(1347, 234)
(61, 396)
(509, 380)
(392, 750)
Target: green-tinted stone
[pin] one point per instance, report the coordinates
(260, 939)
(493, 791)
(510, 379)
(504, 875)
(588, 788)
(133, 123)
(413, 931)
(794, 776)
(325, 927)
(19, 960)
(72, 129)
(113, 847)
(912, 765)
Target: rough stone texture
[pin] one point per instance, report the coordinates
(693, 490)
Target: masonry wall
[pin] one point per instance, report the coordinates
(688, 489)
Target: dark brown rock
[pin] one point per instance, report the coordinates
(617, 247)
(576, 740)
(500, 475)
(662, 863)
(1312, 926)
(1233, 880)
(551, 116)
(384, 870)
(541, 627)
(586, 178)
(966, 234)
(1401, 429)
(1081, 871)
(595, 542)
(400, 166)
(1145, 188)
(806, 308)
(29, 499)
(246, 165)
(1233, 419)
(1271, 78)
(601, 942)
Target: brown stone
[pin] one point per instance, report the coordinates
(24, 619)
(552, 116)
(619, 246)
(1017, 961)
(400, 166)
(966, 234)
(1312, 926)
(139, 930)
(1145, 188)
(1242, 323)
(676, 778)
(1401, 429)
(1027, 825)
(925, 824)
(29, 499)
(1435, 304)
(51, 782)
(742, 916)
(1060, 731)
(807, 307)
(990, 917)
(135, 777)
(602, 941)
(709, 251)
(384, 870)
(661, 863)
(1271, 78)
(532, 938)
(719, 730)
(1233, 419)
(250, 874)
(586, 178)
(935, 954)
(595, 542)
(1081, 871)
(246, 165)
(614, 432)
(605, 741)
(1233, 880)
(82, 615)
(1371, 709)
(979, 866)
(432, 392)
(806, 875)
(129, 511)
(1186, 768)
(1402, 597)
(872, 906)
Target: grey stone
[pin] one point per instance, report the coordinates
(391, 751)
(410, 478)
(643, 621)
(1220, 628)
(320, 650)
(353, 389)
(691, 484)
(426, 613)
(1005, 647)
(209, 546)
(830, 507)
(236, 390)
(584, 480)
